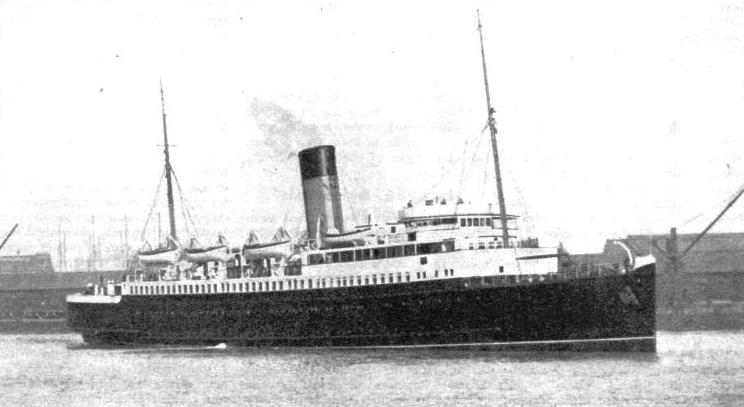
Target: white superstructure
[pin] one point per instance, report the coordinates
(434, 241)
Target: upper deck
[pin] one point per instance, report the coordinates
(433, 209)
(437, 220)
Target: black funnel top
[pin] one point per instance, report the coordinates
(317, 162)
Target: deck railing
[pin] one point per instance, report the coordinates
(572, 272)
(592, 270)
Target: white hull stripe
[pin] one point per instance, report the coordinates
(495, 344)
(93, 299)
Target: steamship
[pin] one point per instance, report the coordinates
(446, 273)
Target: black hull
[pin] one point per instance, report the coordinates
(605, 313)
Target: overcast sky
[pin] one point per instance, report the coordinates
(614, 117)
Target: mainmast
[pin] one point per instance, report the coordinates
(492, 128)
(168, 170)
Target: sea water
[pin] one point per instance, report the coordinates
(693, 368)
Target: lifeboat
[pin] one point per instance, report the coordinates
(159, 256)
(195, 253)
(354, 238)
(279, 249)
(218, 253)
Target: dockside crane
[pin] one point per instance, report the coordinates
(671, 252)
(8, 236)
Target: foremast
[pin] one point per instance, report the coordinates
(168, 170)
(492, 128)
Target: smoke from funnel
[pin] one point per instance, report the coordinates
(284, 133)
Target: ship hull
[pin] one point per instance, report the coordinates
(601, 313)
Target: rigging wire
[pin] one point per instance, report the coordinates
(485, 175)
(152, 206)
(472, 163)
(193, 219)
(452, 165)
(526, 218)
(349, 204)
(183, 209)
(185, 206)
(186, 222)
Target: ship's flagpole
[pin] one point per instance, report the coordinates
(168, 170)
(492, 128)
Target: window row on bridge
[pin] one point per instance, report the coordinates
(465, 221)
(477, 222)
